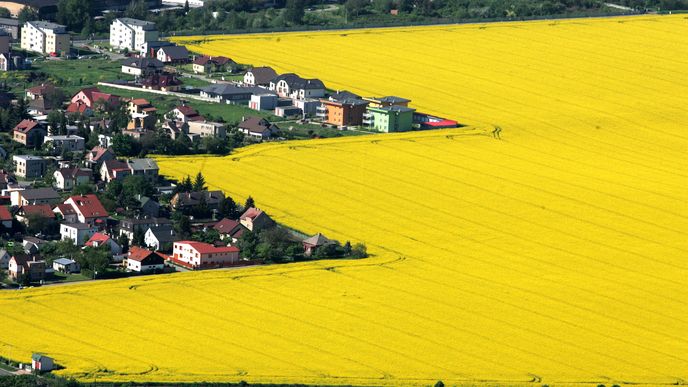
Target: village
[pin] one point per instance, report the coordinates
(80, 201)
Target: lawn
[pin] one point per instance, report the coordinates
(72, 75)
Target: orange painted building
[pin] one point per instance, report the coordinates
(348, 112)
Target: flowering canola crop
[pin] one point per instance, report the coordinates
(556, 254)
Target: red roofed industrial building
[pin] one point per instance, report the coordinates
(88, 208)
(199, 254)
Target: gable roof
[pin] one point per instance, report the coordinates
(263, 75)
(317, 240)
(64, 261)
(25, 126)
(41, 89)
(39, 193)
(89, 206)
(139, 254)
(151, 63)
(73, 172)
(42, 210)
(226, 226)
(257, 125)
(251, 213)
(164, 233)
(207, 248)
(175, 52)
(98, 151)
(65, 209)
(98, 237)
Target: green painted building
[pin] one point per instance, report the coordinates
(389, 118)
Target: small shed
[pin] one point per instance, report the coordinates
(42, 363)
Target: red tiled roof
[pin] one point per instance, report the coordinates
(202, 60)
(187, 110)
(97, 152)
(65, 209)
(251, 213)
(25, 126)
(206, 248)
(5, 214)
(89, 206)
(40, 89)
(226, 225)
(140, 101)
(77, 107)
(97, 237)
(98, 95)
(139, 254)
(43, 210)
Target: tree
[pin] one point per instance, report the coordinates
(295, 11)
(199, 183)
(4, 12)
(249, 203)
(74, 13)
(124, 145)
(139, 237)
(27, 14)
(123, 241)
(247, 243)
(183, 227)
(186, 7)
(229, 208)
(137, 9)
(359, 250)
(185, 185)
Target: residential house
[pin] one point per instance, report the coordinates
(10, 61)
(129, 226)
(229, 229)
(114, 170)
(40, 91)
(342, 113)
(68, 178)
(312, 243)
(88, 209)
(160, 238)
(162, 82)
(185, 113)
(4, 259)
(29, 167)
(230, 94)
(208, 64)
(255, 219)
(80, 108)
(392, 118)
(149, 207)
(143, 114)
(173, 54)
(5, 218)
(293, 86)
(100, 239)
(309, 106)
(288, 112)
(34, 196)
(259, 76)
(207, 129)
(131, 34)
(150, 49)
(187, 200)
(258, 128)
(66, 265)
(96, 156)
(147, 168)
(33, 245)
(175, 128)
(78, 233)
(32, 266)
(41, 363)
(387, 101)
(199, 255)
(91, 97)
(30, 212)
(45, 37)
(66, 213)
(142, 67)
(65, 143)
(143, 260)
(29, 133)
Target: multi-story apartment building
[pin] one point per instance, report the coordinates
(29, 167)
(132, 34)
(45, 37)
(208, 129)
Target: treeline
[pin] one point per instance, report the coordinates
(239, 15)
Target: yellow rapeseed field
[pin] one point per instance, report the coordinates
(556, 254)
